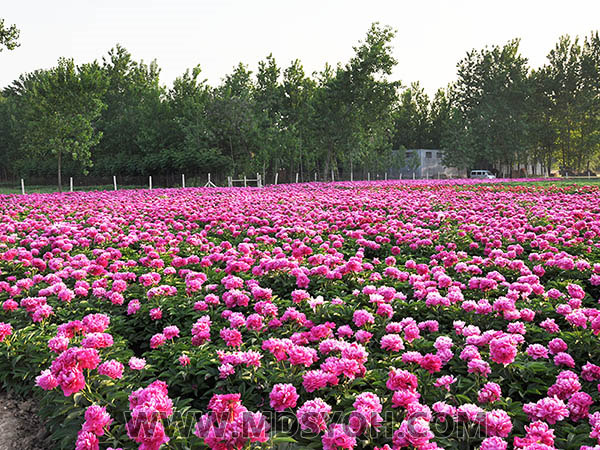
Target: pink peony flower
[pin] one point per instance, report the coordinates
(137, 363)
(232, 337)
(392, 342)
(283, 396)
(5, 330)
(96, 420)
(401, 379)
(497, 423)
(157, 340)
(502, 350)
(493, 443)
(156, 313)
(111, 368)
(171, 332)
(338, 437)
(489, 393)
(313, 415)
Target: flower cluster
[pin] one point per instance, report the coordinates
(230, 425)
(97, 420)
(434, 302)
(149, 408)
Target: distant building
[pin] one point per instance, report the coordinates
(427, 163)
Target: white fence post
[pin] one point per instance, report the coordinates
(182, 180)
(332, 177)
(22, 186)
(315, 176)
(71, 183)
(115, 182)
(413, 175)
(351, 175)
(368, 176)
(150, 182)
(296, 177)
(276, 177)
(229, 181)
(386, 175)
(258, 180)
(209, 183)
(245, 183)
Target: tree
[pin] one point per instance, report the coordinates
(589, 136)
(232, 118)
(268, 104)
(298, 90)
(488, 113)
(13, 125)
(572, 92)
(135, 123)
(352, 107)
(439, 116)
(8, 36)
(192, 145)
(564, 64)
(412, 122)
(60, 110)
(543, 135)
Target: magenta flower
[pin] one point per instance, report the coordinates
(283, 396)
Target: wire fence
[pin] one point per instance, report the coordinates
(118, 182)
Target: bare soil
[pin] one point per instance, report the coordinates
(20, 426)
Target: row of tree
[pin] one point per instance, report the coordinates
(501, 115)
(114, 117)
(504, 114)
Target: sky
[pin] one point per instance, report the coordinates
(432, 36)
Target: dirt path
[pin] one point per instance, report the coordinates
(20, 427)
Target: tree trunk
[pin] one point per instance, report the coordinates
(327, 162)
(232, 158)
(569, 151)
(59, 171)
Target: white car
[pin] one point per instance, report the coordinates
(482, 174)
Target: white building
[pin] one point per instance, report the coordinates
(427, 163)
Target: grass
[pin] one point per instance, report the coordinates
(45, 189)
(562, 182)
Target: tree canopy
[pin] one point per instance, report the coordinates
(9, 36)
(114, 117)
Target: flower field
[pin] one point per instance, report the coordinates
(382, 315)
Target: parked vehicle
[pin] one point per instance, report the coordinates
(482, 174)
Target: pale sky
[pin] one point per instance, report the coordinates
(432, 36)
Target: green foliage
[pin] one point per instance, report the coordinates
(573, 96)
(353, 105)
(9, 36)
(413, 119)
(488, 126)
(60, 109)
(135, 122)
(346, 118)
